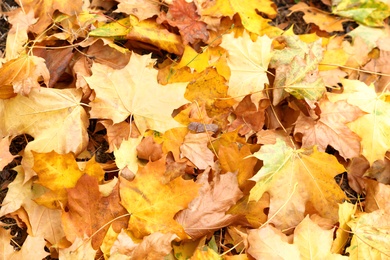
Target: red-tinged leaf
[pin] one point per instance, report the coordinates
(183, 15)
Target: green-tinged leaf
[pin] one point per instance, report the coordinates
(367, 12)
(297, 181)
(297, 70)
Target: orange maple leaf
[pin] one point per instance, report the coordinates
(153, 203)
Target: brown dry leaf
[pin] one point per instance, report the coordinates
(5, 156)
(380, 170)
(116, 133)
(207, 212)
(330, 128)
(57, 62)
(182, 15)
(324, 21)
(149, 150)
(24, 74)
(195, 149)
(119, 95)
(298, 181)
(250, 116)
(377, 195)
(88, 213)
(153, 204)
(380, 65)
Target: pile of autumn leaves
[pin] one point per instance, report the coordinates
(228, 136)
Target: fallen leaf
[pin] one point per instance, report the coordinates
(182, 15)
(373, 127)
(294, 179)
(87, 213)
(235, 159)
(142, 9)
(323, 20)
(297, 70)
(367, 12)
(151, 106)
(58, 173)
(248, 62)
(371, 238)
(270, 243)
(23, 73)
(153, 204)
(33, 248)
(207, 212)
(44, 10)
(195, 148)
(331, 129)
(80, 249)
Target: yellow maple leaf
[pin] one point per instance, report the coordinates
(374, 126)
(296, 179)
(134, 91)
(153, 204)
(248, 62)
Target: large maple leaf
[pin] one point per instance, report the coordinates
(153, 203)
(134, 91)
(296, 179)
(373, 127)
(248, 62)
